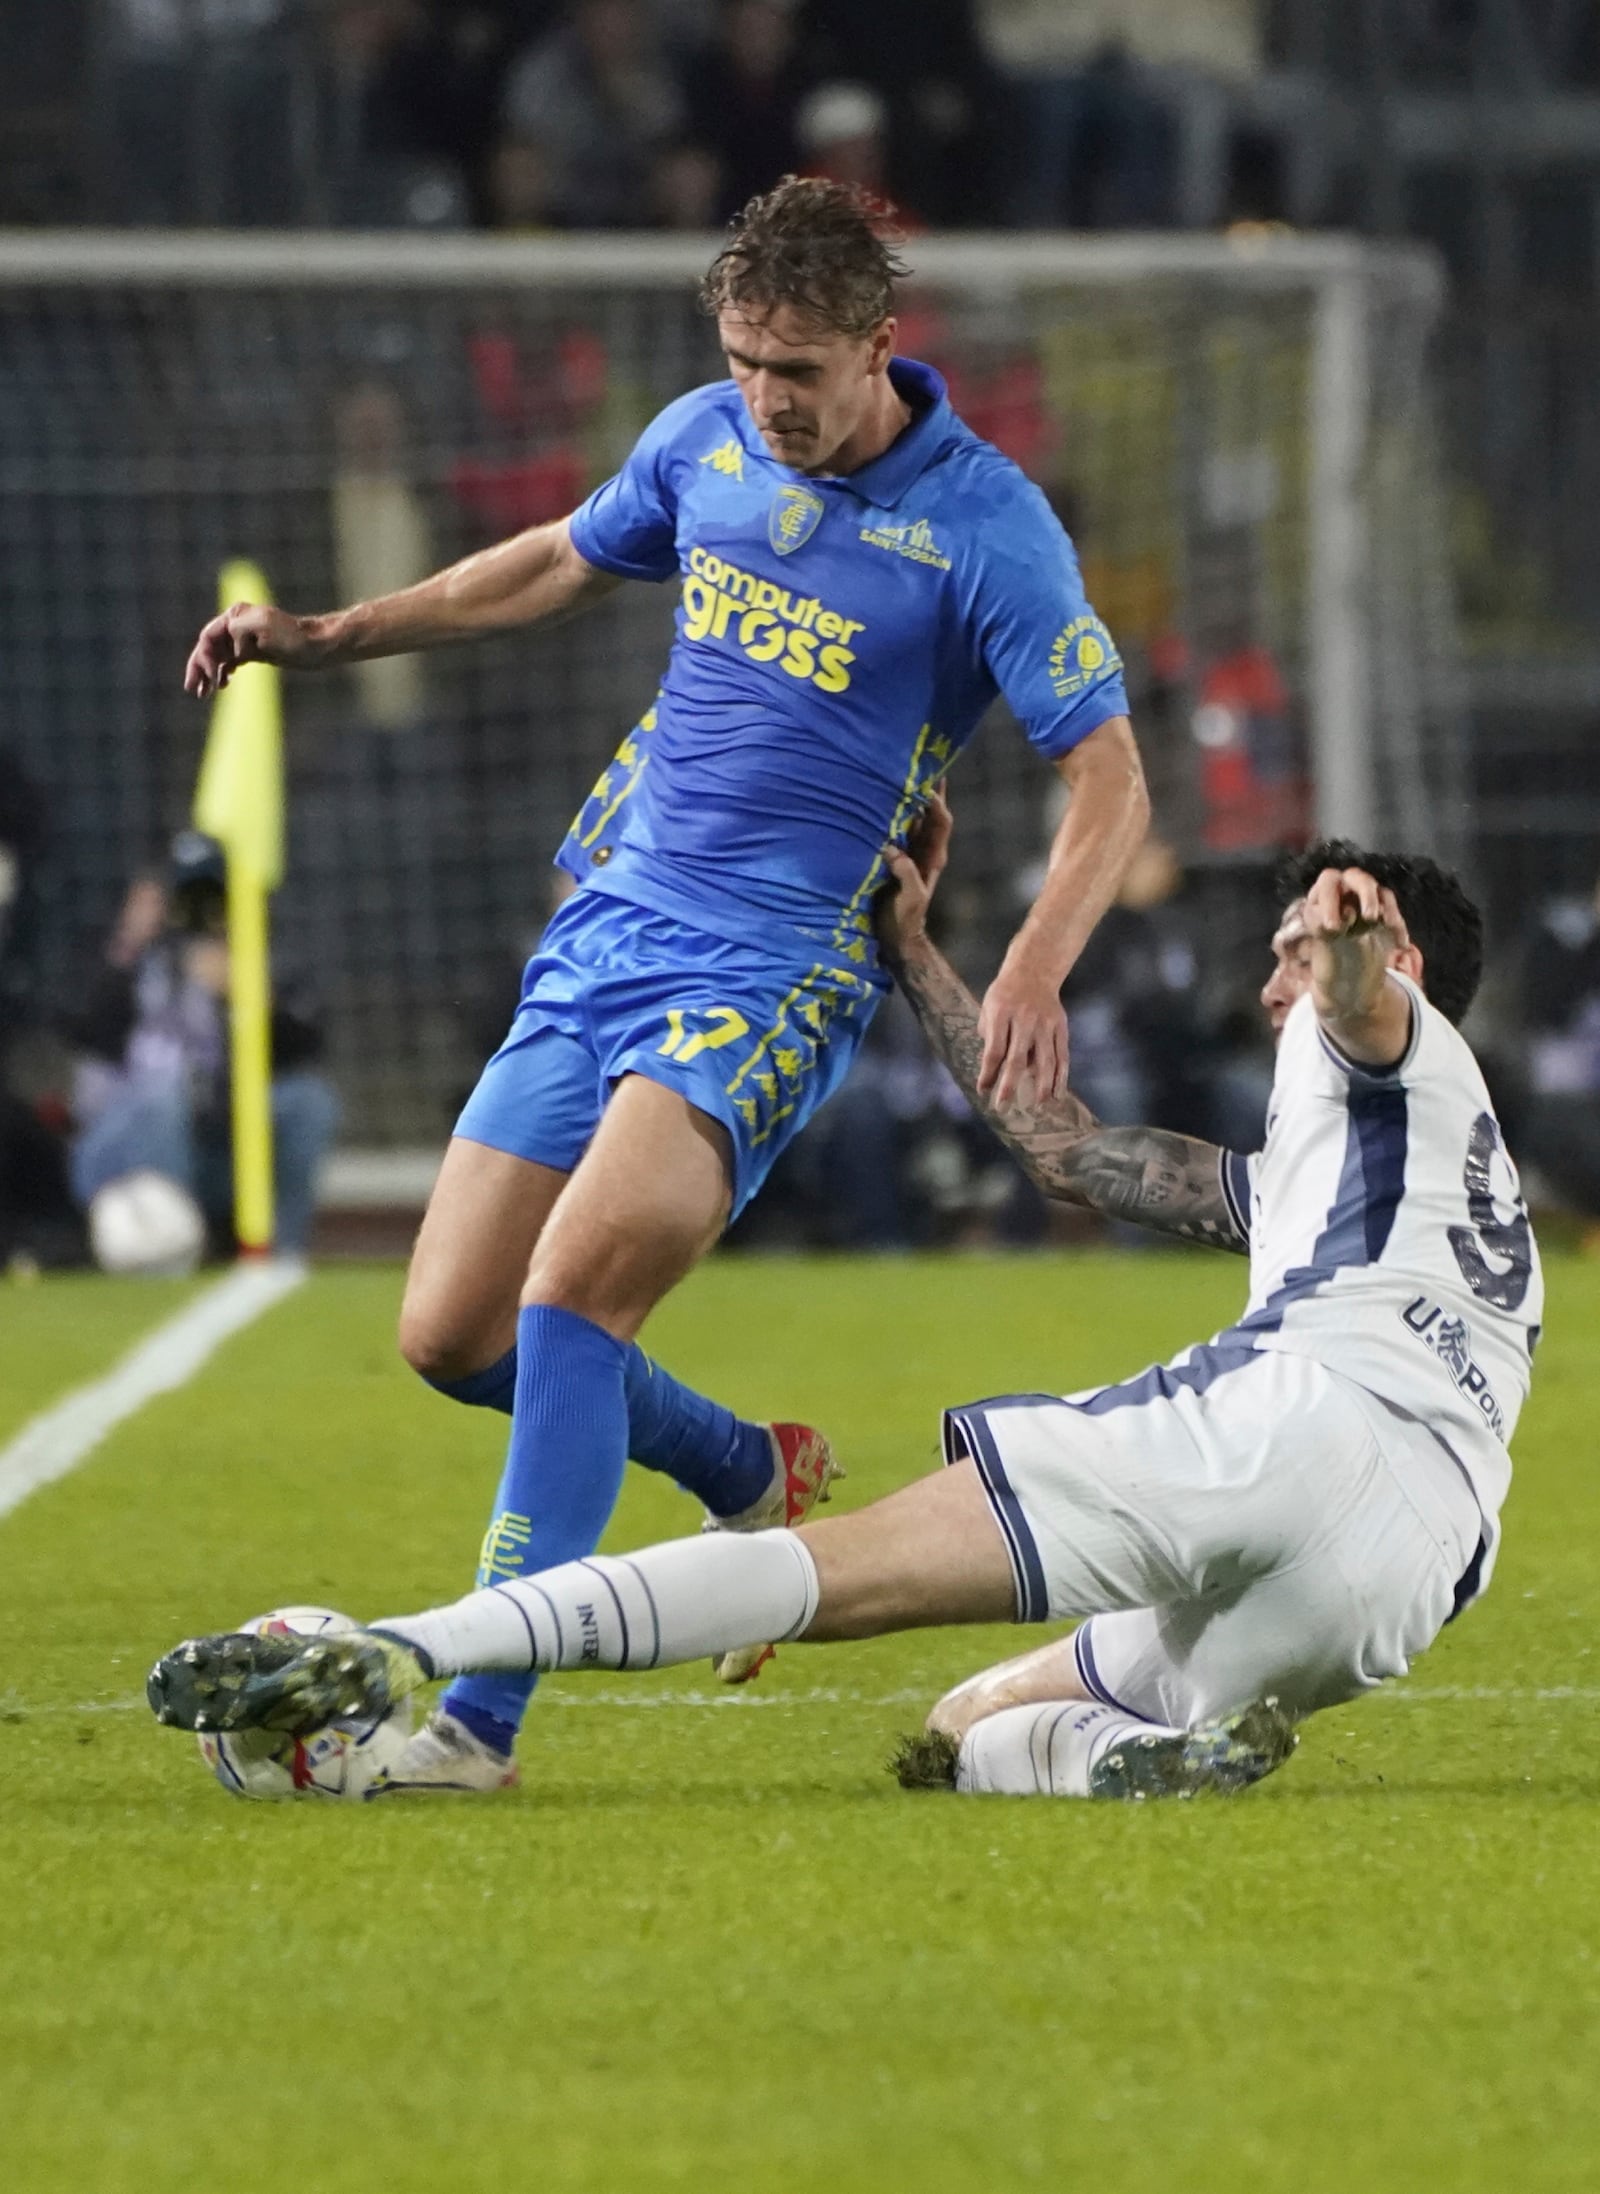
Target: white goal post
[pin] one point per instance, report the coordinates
(1238, 433)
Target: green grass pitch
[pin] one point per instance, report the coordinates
(709, 1944)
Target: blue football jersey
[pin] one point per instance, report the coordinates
(838, 641)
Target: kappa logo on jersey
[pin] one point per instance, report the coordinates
(726, 458)
(914, 539)
(1450, 1339)
(794, 517)
(771, 625)
(1082, 652)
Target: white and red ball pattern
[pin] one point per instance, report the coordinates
(347, 1759)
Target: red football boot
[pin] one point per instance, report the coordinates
(803, 1468)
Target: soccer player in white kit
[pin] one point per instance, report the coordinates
(1299, 1505)
(1276, 1521)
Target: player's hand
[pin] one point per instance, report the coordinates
(901, 914)
(1024, 1032)
(249, 632)
(1347, 902)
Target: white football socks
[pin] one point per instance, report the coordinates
(1044, 1751)
(679, 1602)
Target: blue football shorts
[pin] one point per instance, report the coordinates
(755, 1041)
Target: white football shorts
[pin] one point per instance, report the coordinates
(1239, 1524)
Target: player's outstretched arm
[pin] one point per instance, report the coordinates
(1357, 934)
(1170, 1183)
(1024, 1029)
(533, 578)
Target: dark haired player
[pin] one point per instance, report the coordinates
(1274, 1522)
(860, 576)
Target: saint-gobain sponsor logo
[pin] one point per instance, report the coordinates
(914, 539)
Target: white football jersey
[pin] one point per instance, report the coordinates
(1388, 1236)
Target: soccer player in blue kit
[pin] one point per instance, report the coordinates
(860, 575)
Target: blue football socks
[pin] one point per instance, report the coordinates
(563, 1472)
(723, 1460)
(495, 1387)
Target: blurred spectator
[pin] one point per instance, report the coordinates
(151, 1092)
(433, 87)
(405, 103)
(1124, 106)
(684, 182)
(1095, 138)
(202, 99)
(843, 133)
(1255, 793)
(597, 99)
(743, 91)
(1558, 995)
(519, 194)
(927, 62)
(537, 402)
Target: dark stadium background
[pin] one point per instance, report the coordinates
(146, 435)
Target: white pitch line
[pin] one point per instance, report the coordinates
(14, 1708)
(11, 1704)
(1426, 1694)
(56, 1441)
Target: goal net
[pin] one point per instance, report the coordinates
(1238, 437)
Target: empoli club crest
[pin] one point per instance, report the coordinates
(795, 514)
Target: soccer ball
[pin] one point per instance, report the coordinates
(347, 1759)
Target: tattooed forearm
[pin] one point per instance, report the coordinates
(1171, 1183)
(949, 1016)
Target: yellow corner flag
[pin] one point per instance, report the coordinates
(239, 801)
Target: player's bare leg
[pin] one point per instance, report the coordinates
(928, 1555)
(477, 1239)
(649, 1197)
(458, 1327)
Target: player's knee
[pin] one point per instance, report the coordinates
(954, 1714)
(602, 1281)
(437, 1350)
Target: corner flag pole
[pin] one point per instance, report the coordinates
(239, 801)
